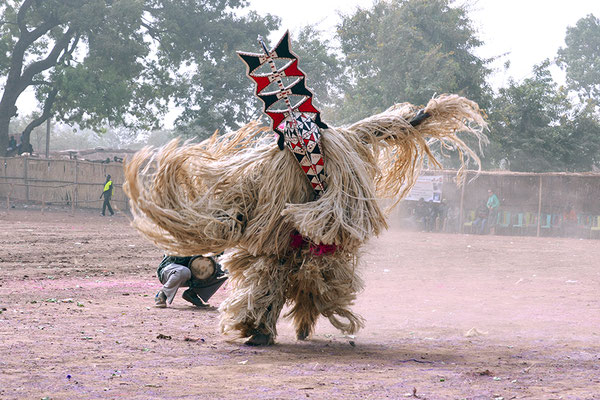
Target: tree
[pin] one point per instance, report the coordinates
(121, 62)
(408, 50)
(37, 135)
(537, 128)
(582, 138)
(317, 59)
(581, 58)
(324, 70)
(214, 91)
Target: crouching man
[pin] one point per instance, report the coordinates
(202, 275)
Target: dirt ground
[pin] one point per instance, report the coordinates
(448, 317)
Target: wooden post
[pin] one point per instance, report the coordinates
(43, 201)
(462, 201)
(26, 178)
(539, 219)
(8, 197)
(73, 202)
(76, 200)
(46, 188)
(48, 138)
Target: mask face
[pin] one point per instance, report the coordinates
(202, 268)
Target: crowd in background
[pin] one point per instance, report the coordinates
(489, 218)
(17, 149)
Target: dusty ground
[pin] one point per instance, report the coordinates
(448, 317)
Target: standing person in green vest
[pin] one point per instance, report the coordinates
(107, 193)
(492, 204)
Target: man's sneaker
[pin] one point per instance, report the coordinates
(192, 297)
(160, 300)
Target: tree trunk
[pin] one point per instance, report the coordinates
(19, 78)
(7, 111)
(4, 122)
(46, 113)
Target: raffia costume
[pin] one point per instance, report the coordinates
(289, 239)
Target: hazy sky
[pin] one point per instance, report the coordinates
(529, 30)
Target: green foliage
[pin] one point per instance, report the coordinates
(535, 127)
(323, 68)
(211, 85)
(408, 50)
(123, 62)
(8, 32)
(581, 58)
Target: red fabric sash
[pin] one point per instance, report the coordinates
(298, 241)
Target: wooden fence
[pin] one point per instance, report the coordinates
(530, 203)
(72, 183)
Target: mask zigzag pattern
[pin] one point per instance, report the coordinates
(294, 118)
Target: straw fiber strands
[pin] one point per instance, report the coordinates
(239, 193)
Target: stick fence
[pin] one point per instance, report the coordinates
(73, 183)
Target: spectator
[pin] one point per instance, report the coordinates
(481, 220)
(24, 147)
(569, 224)
(443, 215)
(107, 193)
(422, 213)
(492, 205)
(452, 217)
(12, 144)
(432, 215)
